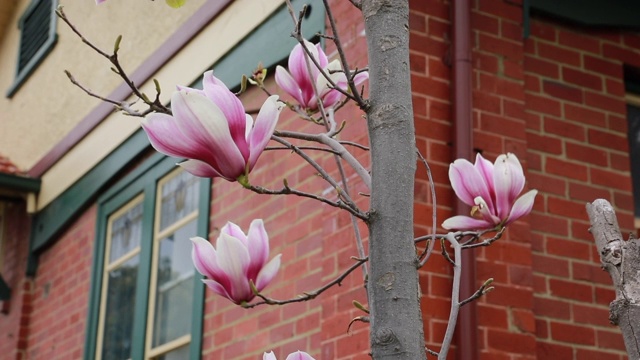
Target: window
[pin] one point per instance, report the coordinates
(37, 37)
(146, 295)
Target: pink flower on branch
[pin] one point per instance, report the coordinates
(299, 83)
(210, 128)
(491, 190)
(237, 261)
(298, 355)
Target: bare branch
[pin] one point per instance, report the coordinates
(429, 249)
(311, 294)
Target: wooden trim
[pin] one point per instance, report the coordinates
(19, 183)
(150, 66)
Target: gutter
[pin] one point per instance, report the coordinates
(467, 330)
(16, 186)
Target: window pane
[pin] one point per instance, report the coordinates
(179, 198)
(174, 286)
(177, 354)
(126, 232)
(118, 320)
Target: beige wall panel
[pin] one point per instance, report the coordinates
(47, 106)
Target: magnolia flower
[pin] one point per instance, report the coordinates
(491, 190)
(298, 83)
(237, 260)
(211, 129)
(298, 355)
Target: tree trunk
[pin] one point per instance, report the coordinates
(622, 260)
(394, 296)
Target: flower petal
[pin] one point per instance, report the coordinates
(234, 230)
(232, 109)
(460, 222)
(166, 137)
(268, 272)
(289, 85)
(258, 247)
(263, 128)
(217, 288)
(508, 181)
(522, 206)
(467, 183)
(299, 355)
(204, 257)
(201, 169)
(269, 356)
(233, 259)
(205, 124)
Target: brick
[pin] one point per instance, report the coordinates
(584, 115)
(511, 342)
(543, 105)
(582, 78)
(495, 45)
(550, 265)
(606, 66)
(548, 144)
(610, 339)
(586, 192)
(564, 128)
(562, 91)
(485, 23)
(559, 54)
(579, 41)
(603, 102)
(501, 9)
(541, 67)
(610, 179)
(625, 55)
(573, 334)
(569, 248)
(596, 316)
(596, 354)
(546, 350)
(417, 22)
(549, 224)
(543, 30)
(571, 290)
(586, 154)
(547, 184)
(568, 169)
(551, 308)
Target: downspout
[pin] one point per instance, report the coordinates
(466, 332)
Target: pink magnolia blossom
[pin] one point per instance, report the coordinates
(298, 355)
(298, 83)
(100, 1)
(210, 128)
(491, 190)
(237, 260)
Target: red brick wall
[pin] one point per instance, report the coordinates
(61, 293)
(578, 151)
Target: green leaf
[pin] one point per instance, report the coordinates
(175, 3)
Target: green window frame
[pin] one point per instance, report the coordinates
(141, 189)
(38, 35)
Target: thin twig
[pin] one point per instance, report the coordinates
(354, 144)
(154, 106)
(429, 249)
(455, 297)
(343, 59)
(484, 289)
(303, 148)
(335, 145)
(311, 294)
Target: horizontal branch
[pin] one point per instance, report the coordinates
(311, 294)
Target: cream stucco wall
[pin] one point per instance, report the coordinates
(47, 106)
(208, 46)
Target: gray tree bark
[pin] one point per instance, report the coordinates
(394, 296)
(622, 260)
